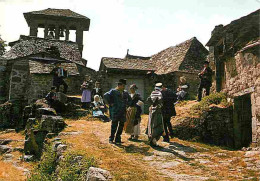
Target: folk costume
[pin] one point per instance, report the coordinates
(155, 127)
(59, 74)
(205, 80)
(168, 110)
(99, 109)
(118, 101)
(133, 115)
(86, 88)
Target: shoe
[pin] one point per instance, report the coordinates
(111, 140)
(118, 142)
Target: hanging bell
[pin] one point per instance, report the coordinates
(61, 33)
(51, 34)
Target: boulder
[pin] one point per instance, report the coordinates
(52, 124)
(34, 140)
(98, 174)
(45, 111)
(61, 149)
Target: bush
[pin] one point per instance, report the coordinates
(216, 98)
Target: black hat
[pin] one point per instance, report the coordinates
(122, 81)
(206, 62)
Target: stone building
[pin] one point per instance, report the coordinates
(185, 59)
(25, 68)
(234, 55)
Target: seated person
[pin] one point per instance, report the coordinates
(53, 101)
(99, 109)
(182, 91)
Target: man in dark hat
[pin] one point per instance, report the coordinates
(168, 110)
(118, 99)
(59, 73)
(205, 80)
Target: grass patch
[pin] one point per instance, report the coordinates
(73, 166)
(204, 104)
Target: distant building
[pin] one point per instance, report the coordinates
(25, 68)
(185, 59)
(234, 55)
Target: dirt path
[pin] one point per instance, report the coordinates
(12, 168)
(179, 160)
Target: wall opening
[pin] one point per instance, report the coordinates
(243, 121)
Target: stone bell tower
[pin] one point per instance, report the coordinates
(57, 22)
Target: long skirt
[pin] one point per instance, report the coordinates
(130, 125)
(155, 127)
(86, 96)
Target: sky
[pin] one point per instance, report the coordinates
(145, 27)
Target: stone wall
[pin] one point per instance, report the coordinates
(3, 81)
(242, 76)
(214, 126)
(19, 80)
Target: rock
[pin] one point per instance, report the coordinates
(55, 145)
(28, 158)
(61, 149)
(45, 111)
(52, 124)
(252, 153)
(10, 131)
(98, 174)
(5, 141)
(34, 140)
(19, 149)
(51, 135)
(57, 139)
(30, 122)
(8, 157)
(61, 97)
(5, 149)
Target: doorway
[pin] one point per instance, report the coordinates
(243, 121)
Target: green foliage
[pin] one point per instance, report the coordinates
(2, 46)
(46, 167)
(74, 166)
(216, 98)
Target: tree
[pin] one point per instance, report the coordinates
(2, 46)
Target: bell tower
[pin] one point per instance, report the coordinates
(57, 23)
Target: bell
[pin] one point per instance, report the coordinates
(61, 33)
(51, 34)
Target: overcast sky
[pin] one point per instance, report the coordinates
(143, 26)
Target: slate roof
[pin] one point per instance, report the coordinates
(243, 31)
(27, 46)
(38, 67)
(187, 56)
(58, 12)
(128, 63)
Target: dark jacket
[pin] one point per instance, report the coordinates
(51, 97)
(168, 98)
(118, 103)
(56, 78)
(207, 76)
(95, 92)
